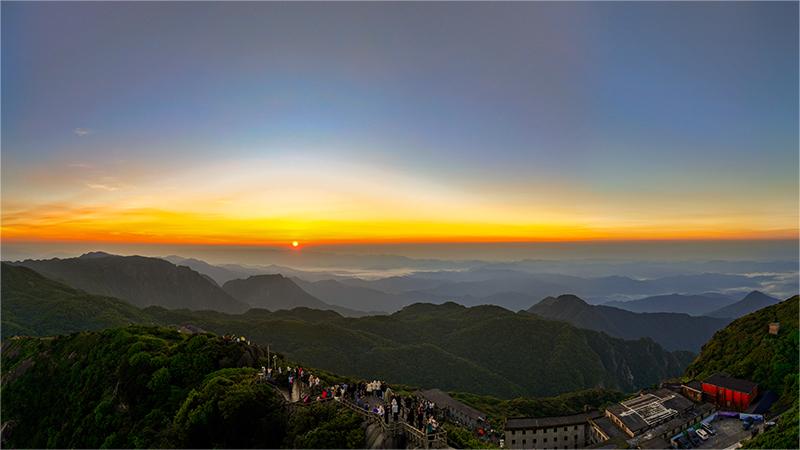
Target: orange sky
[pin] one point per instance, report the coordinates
(351, 124)
(261, 202)
(159, 226)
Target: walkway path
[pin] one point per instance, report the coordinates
(413, 436)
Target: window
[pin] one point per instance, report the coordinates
(534, 441)
(523, 432)
(576, 427)
(523, 442)
(513, 441)
(565, 428)
(545, 440)
(555, 438)
(513, 432)
(576, 438)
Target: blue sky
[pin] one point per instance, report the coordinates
(606, 114)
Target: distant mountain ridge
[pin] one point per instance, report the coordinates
(355, 297)
(751, 302)
(507, 286)
(672, 330)
(275, 292)
(694, 305)
(500, 284)
(140, 280)
(219, 274)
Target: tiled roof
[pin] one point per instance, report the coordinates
(734, 384)
(608, 427)
(543, 422)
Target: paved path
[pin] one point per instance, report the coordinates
(418, 437)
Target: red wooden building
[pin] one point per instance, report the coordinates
(729, 392)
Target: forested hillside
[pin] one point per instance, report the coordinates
(673, 331)
(152, 387)
(746, 350)
(37, 306)
(486, 349)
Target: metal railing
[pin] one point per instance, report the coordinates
(418, 437)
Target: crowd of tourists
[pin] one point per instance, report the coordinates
(374, 396)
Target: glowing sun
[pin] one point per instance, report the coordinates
(295, 244)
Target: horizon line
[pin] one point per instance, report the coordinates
(390, 242)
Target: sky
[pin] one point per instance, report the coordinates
(341, 124)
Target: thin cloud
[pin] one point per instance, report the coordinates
(102, 187)
(80, 165)
(82, 131)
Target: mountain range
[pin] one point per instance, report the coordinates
(560, 344)
(145, 281)
(694, 305)
(673, 331)
(500, 284)
(354, 297)
(220, 274)
(137, 386)
(709, 304)
(276, 292)
(751, 302)
(141, 281)
(483, 349)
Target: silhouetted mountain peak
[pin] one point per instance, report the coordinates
(547, 301)
(98, 254)
(569, 299)
(274, 277)
(751, 302)
(430, 308)
(565, 300)
(273, 292)
(757, 295)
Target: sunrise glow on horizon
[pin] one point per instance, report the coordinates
(349, 126)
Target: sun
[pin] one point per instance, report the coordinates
(295, 244)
